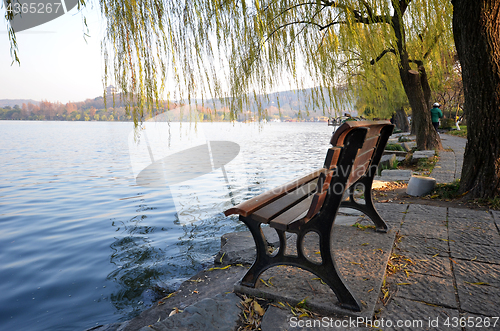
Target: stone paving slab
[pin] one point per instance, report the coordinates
(479, 253)
(418, 315)
(449, 166)
(444, 170)
(434, 266)
(239, 247)
(479, 299)
(280, 319)
(428, 246)
(430, 289)
(425, 213)
(390, 175)
(425, 229)
(475, 236)
(476, 272)
(218, 313)
(443, 281)
(475, 215)
(392, 213)
(347, 220)
(206, 284)
(496, 216)
(354, 250)
(469, 224)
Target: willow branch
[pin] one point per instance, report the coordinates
(288, 24)
(417, 62)
(385, 51)
(434, 42)
(293, 7)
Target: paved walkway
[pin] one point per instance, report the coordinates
(448, 262)
(449, 166)
(443, 274)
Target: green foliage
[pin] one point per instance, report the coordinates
(447, 123)
(459, 133)
(394, 147)
(446, 191)
(393, 165)
(234, 50)
(426, 165)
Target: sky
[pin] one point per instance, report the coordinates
(57, 63)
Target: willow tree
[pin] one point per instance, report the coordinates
(235, 49)
(379, 89)
(476, 27)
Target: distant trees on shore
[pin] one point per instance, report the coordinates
(88, 110)
(292, 109)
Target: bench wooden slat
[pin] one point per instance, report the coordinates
(265, 214)
(249, 206)
(370, 143)
(282, 221)
(360, 166)
(373, 129)
(332, 156)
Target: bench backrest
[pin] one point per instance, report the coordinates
(357, 149)
(369, 155)
(364, 161)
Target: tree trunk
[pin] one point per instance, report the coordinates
(416, 87)
(401, 120)
(476, 29)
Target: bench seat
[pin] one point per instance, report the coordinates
(310, 204)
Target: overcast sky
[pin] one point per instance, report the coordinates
(56, 62)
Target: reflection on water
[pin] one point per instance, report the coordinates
(83, 244)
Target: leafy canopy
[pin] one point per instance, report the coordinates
(235, 49)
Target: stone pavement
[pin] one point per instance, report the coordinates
(449, 166)
(450, 275)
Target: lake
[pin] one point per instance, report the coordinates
(85, 242)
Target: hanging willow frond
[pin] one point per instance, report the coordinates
(233, 50)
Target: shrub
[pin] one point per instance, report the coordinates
(394, 147)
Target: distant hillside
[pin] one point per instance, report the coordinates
(302, 105)
(19, 102)
(291, 102)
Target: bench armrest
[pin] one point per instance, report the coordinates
(247, 207)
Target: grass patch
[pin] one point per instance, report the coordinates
(425, 166)
(394, 147)
(462, 133)
(448, 191)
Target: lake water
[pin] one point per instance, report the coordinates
(82, 244)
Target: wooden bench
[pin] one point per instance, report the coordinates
(311, 203)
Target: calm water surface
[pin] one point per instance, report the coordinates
(81, 244)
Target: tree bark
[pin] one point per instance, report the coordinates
(401, 120)
(416, 87)
(476, 29)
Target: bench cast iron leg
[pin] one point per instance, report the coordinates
(263, 258)
(368, 208)
(327, 270)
